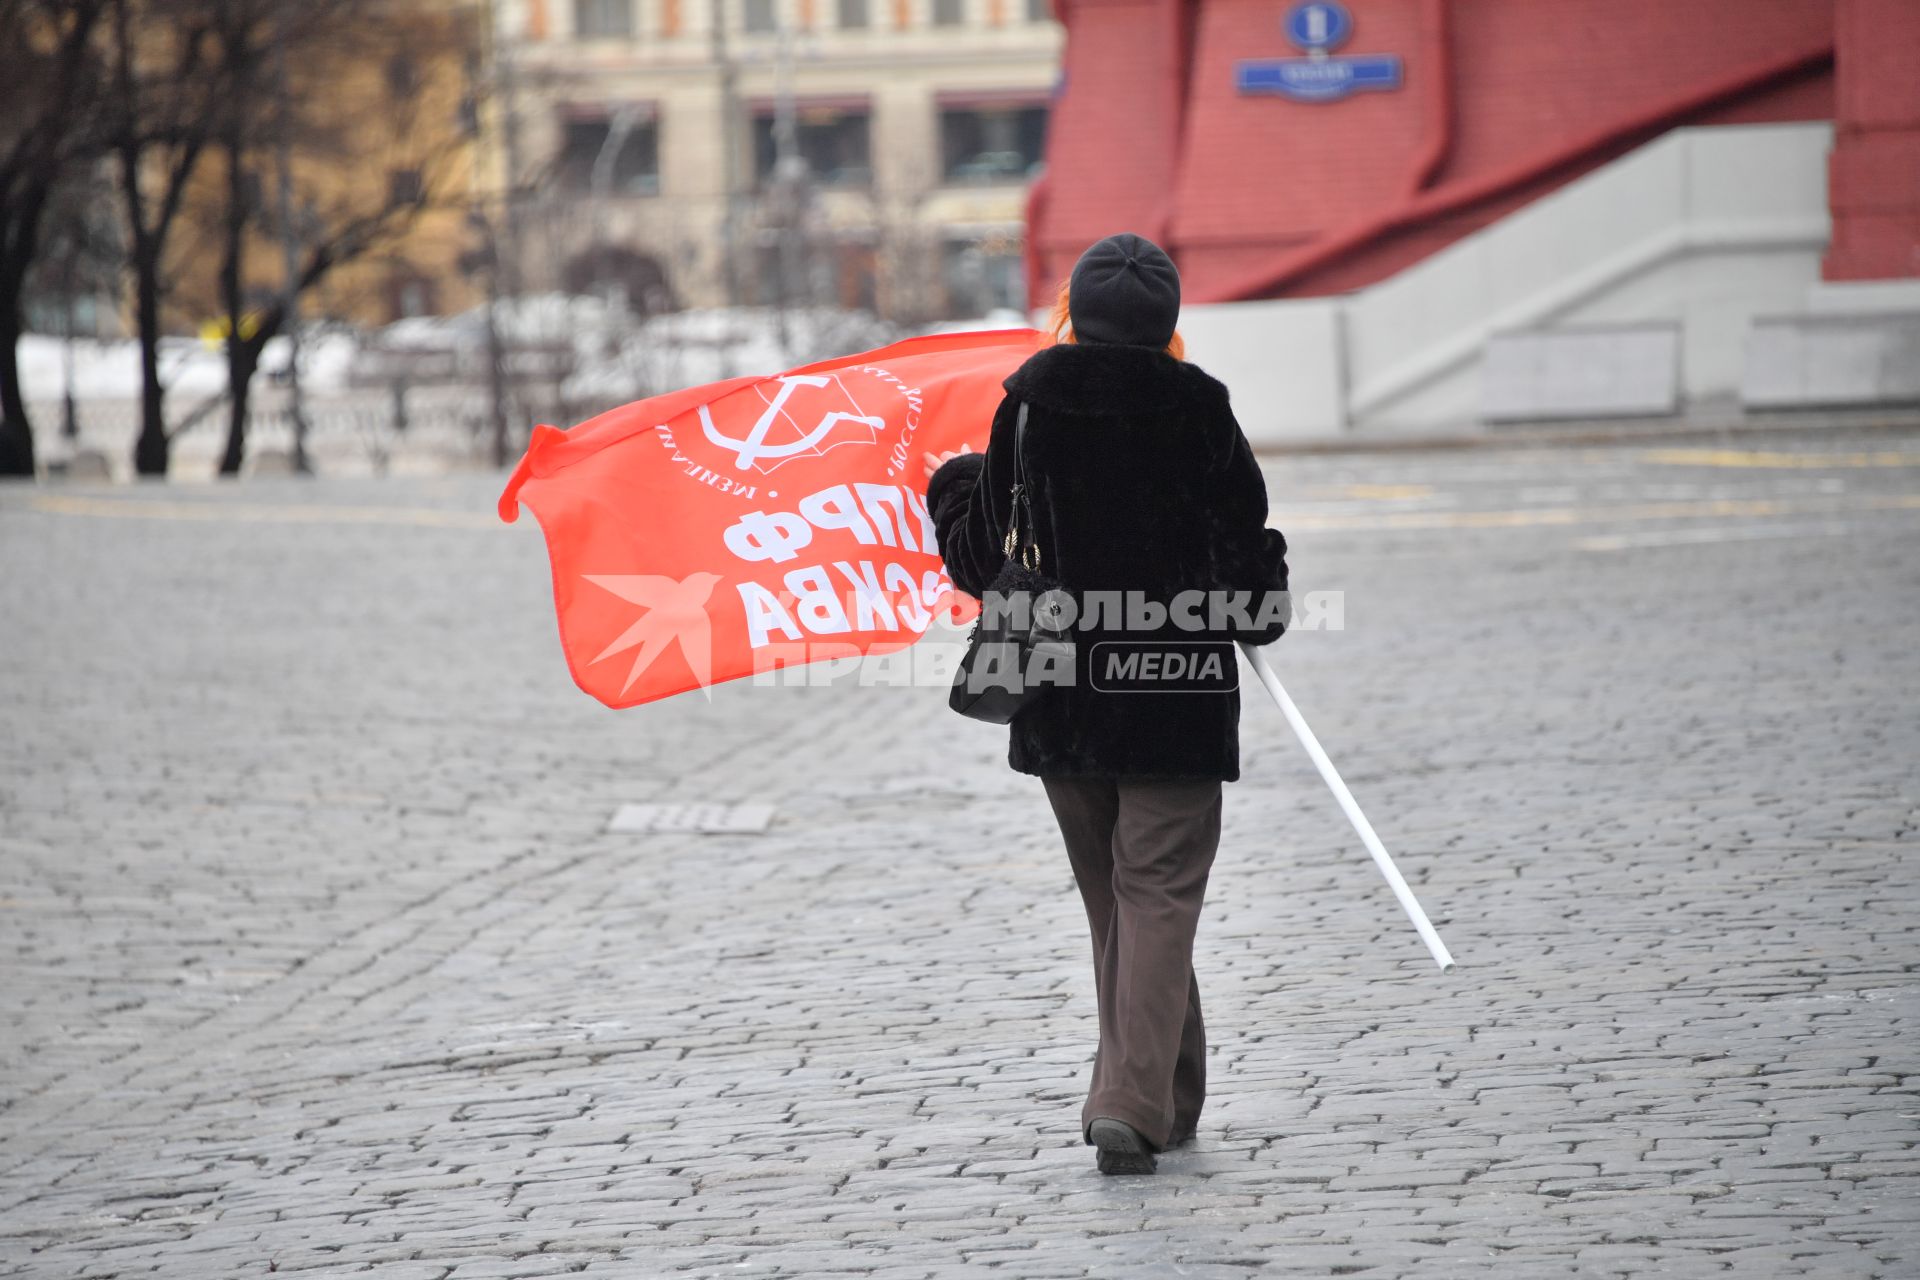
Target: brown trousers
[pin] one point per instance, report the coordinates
(1141, 851)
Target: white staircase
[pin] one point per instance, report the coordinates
(1701, 230)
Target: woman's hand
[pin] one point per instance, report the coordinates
(936, 460)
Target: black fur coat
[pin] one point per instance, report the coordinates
(1141, 481)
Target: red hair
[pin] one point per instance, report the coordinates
(1060, 325)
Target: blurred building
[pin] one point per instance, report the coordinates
(383, 151)
(383, 159)
(1399, 191)
(860, 153)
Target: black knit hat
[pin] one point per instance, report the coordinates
(1124, 289)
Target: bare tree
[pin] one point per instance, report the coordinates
(47, 132)
(242, 31)
(79, 257)
(297, 121)
(164, 106)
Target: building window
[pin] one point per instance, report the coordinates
(853, 14)
(992, 144)
(410, 294)
(600, 18)
(983, 275)
(253, 194)
(403, 187)
(616, 271)
(949, 13)
(833, 142)
(815, 271)
(760, 16)
(403, 77)
(632, 160)
(856, 277)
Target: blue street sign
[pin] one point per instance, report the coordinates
(1319, 27)
(1320, 79)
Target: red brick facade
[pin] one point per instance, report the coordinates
(1502, 101)
(1874, 174)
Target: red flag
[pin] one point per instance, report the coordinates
(709, 533)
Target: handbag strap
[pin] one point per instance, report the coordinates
(1020, 518)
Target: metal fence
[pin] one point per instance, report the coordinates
(363, 432)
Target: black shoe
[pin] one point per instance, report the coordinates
(1121, 1148)
(1179, 1139)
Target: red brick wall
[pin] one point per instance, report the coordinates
(1255, 179)
(1874, 186)
(1265, 170)
(1115, 125)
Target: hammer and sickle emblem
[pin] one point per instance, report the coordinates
(755, 447)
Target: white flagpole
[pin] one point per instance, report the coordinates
(1441, 956)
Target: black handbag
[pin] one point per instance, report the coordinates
(1022, 644)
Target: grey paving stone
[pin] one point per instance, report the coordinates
(320, 958)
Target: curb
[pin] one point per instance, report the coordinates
(1588, 433)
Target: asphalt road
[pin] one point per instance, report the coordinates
(320, 960)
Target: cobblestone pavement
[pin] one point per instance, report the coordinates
(318, 959)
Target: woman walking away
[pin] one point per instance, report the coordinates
(1150, 511)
